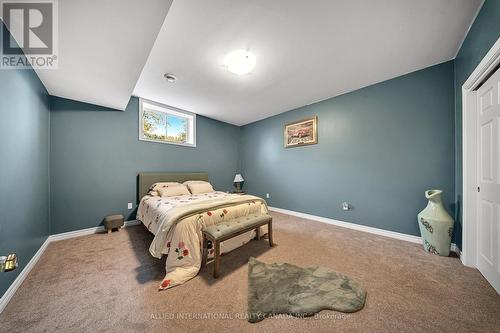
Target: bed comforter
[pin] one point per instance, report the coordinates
(177, 222)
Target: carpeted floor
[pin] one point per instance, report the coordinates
(109, 283)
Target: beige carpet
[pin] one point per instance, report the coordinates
(109, 283)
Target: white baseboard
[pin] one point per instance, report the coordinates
(7, 296)
(20, 278)
(359, 227)
(455, 249)
(88, 231)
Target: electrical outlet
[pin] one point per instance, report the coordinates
(129, 205)
(267, 196)
(345, 206)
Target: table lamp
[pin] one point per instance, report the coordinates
(238, 180)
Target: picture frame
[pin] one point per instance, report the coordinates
(301, 133)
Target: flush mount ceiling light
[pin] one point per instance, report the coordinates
(170, 77)
(240, 62)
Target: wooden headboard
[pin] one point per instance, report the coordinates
(146, 179)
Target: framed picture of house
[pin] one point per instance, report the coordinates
(301, 133)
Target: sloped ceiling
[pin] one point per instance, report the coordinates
(103, 46)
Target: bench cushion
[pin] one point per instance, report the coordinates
(229, 227)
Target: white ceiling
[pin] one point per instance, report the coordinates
(306, 51)
(103, 46)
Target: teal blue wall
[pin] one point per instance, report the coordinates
(483, 34)
(96, 156)
(24, 167)
(379, 148)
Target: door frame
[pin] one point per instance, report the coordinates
(469, 153)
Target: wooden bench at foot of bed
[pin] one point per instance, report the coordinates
(228, 229)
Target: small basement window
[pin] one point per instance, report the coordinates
(165, 124)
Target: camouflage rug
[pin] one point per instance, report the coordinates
(301, 292)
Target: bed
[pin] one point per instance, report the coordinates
(177, 221)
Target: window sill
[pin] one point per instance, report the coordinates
(169, 143)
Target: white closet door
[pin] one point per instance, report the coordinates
(488, 153)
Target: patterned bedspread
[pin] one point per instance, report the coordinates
(177, 222)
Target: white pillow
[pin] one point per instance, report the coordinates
(153, 189)
(198, 188)
(195, 182)
(173, 191)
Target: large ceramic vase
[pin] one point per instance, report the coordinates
(436, 225)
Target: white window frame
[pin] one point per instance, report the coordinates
(169, 110)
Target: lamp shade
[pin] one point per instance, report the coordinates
(238, 178)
